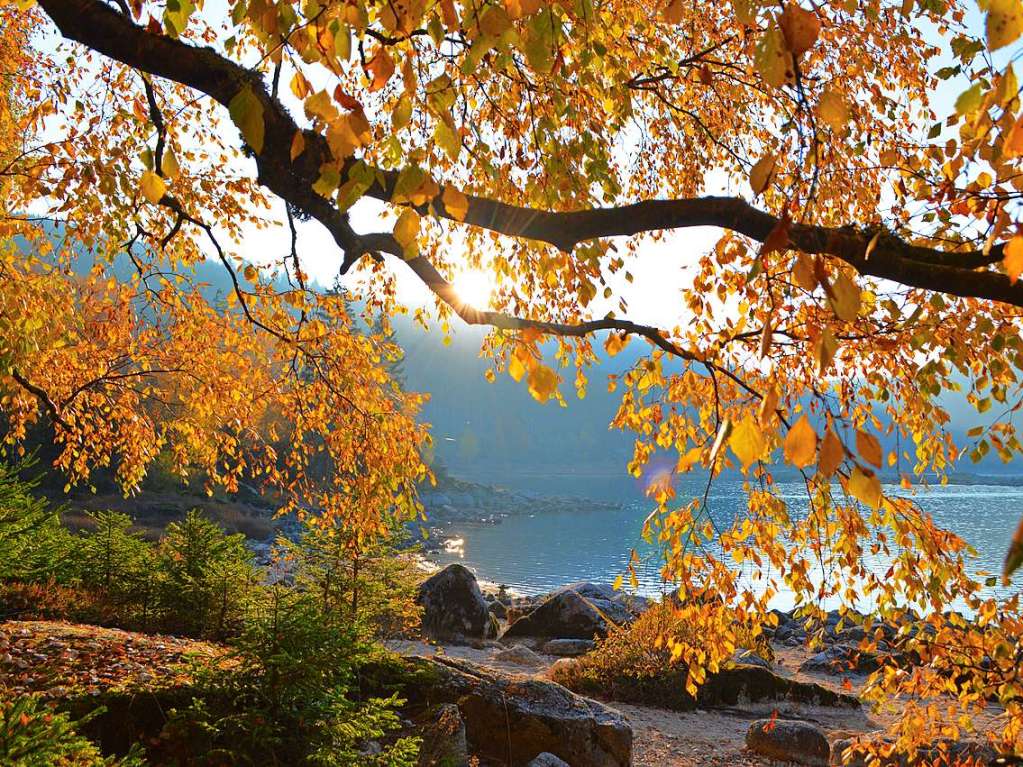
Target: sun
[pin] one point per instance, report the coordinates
(474, 287)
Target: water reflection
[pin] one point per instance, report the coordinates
(533, 554)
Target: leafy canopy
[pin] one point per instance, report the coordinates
(868, 264)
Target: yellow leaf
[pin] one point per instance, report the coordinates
(761, 173)
(153, 187)
(772, 58)
(865, 487)
(169, 164)
(402, 114)
(455, 203)
(768, 407)
(515, 368)
(800, 28)
(845, 301)
(831, 455)
(1006, 86)
(747, 441)
(745, 11)
(1013, 259)
(543, 382)
(247, 113)
(1012, 143)
(868, 447)
(1004, 22)
(801, 443)
(614, 343)
(824, 350)
(406, 232)
(803, 272)
(691, 457)
(833, 110)
(300, 86)
(297, 144)
(447, 139)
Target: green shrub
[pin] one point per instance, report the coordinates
(34, 546)
(34, 735)
(369, 585)
(206, 577)
(634, 663)
(286, 694)
(115, 562)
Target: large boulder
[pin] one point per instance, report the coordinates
(566, 614)
(453, 607)
(789, 741)
(512, 719)
(620, 607)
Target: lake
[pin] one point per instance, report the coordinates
(534, 553)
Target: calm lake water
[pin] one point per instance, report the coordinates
(534, 553)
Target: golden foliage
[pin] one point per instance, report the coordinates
(879, 275)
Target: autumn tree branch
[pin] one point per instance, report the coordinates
(110, 33)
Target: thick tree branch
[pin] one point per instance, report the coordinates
(101, 28)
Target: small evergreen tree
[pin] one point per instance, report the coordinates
(206, 576)
(33, 544)
(115, 561)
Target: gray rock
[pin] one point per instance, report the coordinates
(498, 609)
(443, 735)
(620, 607)
(841, 659)
(750, 658)
(566, 614)
(519, 655)
(453, 607)
(547, 760)
(568, 648)
(789, 741)
(511, 719)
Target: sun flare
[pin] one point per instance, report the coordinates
(474, 287)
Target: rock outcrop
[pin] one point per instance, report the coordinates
(577, 611)
(565, 615)
(511, 720)
(454, 607)
(789, 741)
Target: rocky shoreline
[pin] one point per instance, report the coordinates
(524, 653)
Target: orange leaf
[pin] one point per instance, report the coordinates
(868, 447)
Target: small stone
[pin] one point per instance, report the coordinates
(789, 740)
(547, 759)
(519, 655)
